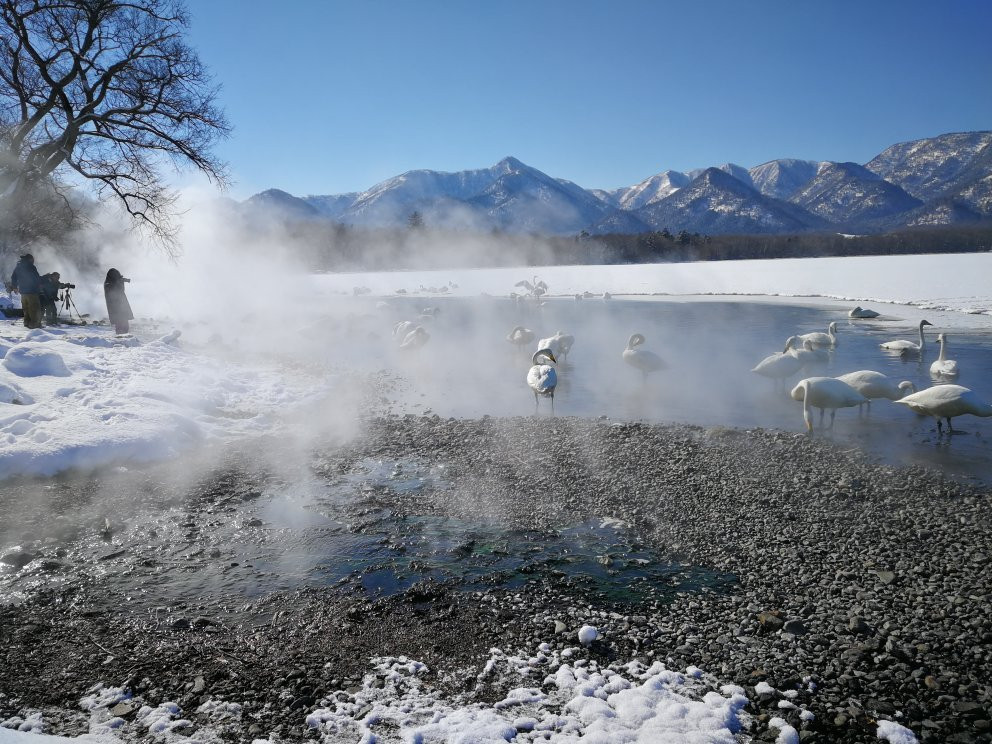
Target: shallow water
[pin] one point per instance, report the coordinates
(468, 369)
(167, 558)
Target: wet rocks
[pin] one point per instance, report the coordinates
(860, 592)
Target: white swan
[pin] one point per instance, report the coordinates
(542, 378)
(943, 367)
(520, 336)
(874, 385)
(782, 364)
(560, 344)
(823, 393)
(862, 312)
(805, 351)
(415, 339)
(907, 347)
(946, 401)
(818, 338)
(642, 359)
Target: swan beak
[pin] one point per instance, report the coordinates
(552, 357)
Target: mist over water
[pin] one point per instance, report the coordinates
(468, 369)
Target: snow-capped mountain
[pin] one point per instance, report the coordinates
(650, 190)
(939, 180)
(782, 178)
(717, 202)
(738, 172)
(851, 195)
(929, 168)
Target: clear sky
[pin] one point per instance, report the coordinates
(331, 96)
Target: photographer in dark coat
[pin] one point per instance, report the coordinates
(27, 281)
(50, 286)
(118, 308)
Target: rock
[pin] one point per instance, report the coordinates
(858, 626)
(795, 627)
(560, 627)
(770, 621)
(123, 709)
(17, 558)
(198, 684)
(886, 577)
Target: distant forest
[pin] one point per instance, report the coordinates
(332, 247)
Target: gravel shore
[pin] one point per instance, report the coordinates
(861, 590)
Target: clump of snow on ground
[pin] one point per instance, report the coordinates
(586, 703)
(895, 733)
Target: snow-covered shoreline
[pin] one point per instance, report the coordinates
(956, 284)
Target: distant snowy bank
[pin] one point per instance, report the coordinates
(956, 283)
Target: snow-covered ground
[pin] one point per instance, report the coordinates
(78, 396)
(563, 697)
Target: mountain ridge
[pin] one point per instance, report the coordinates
(945, 179)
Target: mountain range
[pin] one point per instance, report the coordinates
(935, 181)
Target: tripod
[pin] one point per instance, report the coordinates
(67, 303)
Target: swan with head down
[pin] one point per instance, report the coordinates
(824, 393)
(542, 378)
(946, 402)
(642, 359)
(874, 385)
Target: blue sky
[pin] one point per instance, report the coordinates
(328, 97)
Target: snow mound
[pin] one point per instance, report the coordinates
(894, 733)
(10, 393)
(32, 359)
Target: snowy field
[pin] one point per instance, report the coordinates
(81, 397)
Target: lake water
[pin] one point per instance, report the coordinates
(467, 368)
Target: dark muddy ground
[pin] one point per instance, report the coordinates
(785, 558)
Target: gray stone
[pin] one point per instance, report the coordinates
(796, 627)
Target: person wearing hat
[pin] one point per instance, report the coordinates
(27, 281)
(118, 308)
(49, 293)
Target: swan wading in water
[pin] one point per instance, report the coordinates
(642, 359)
(907, 347)
(818, 338)
(943, 367)
(542, 378)
(559, 344)
(520, 336)
(782, 364)
(874, 385)
(806, 352)
(824, 393)
(862, 312)
(946, 401)
(415, 339)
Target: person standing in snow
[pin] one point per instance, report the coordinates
(118, 308)
(50, 286)
(27, 281)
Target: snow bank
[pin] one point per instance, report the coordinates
(83, 397)
(952, 282)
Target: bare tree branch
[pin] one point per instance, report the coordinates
(109, 90)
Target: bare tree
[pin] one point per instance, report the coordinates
(105, 90)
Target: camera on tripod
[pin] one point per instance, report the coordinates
(66, 285)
